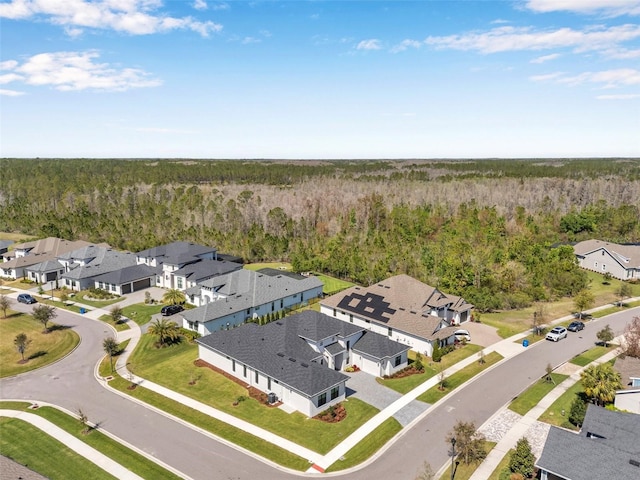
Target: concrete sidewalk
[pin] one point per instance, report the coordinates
(78, 446)
(525, 424)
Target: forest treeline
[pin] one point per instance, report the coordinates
(478, 228)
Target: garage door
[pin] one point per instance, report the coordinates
(126, 288)
(140, 284)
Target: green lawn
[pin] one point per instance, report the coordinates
(454, 381)
(463, 471)
(221, 429)
(536, 392)
(368, 446)
(118, 326)
(141, 313)
(502, 471)
(44, 348)
(406, 384)
(173, 367)
(29, 446)
(275, 265)
(553, 415)
(331, 284)
(81, 297)
(135, 462)
(590, 355)
(511, 322)
(68, 305)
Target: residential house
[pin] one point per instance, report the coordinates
(402, 308)
(172, 257)
(83, 265)
(231, 299)
(628, 399)
(297, 358)
(193, 274)
(126, 280)
(28, 254)
(607, 447)
(43, 272)
(621, 261)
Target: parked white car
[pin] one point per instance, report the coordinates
(462, 335)
(558, 333)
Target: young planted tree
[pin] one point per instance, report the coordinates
(605, 335)
(583, 300)
(173, 296)
(44, 314)
(22, 343)
(578, 410)
(84, 419)
(167, 331)
(523, 461)
(469, 442)
(600, 383)
(111, 348)
(436, 355)
(631, 338)
(116, 314)
(5, 303)
(623, 291)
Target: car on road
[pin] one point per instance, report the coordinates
(26, 298)
(171, 310)
(557, 333)
(575, 326)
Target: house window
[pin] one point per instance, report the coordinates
(268, 383)
(390, 331)
(335, 391)
(113, 287)
(100, 285)
(604, 267)
(256, 377)
(248, 311)
(351, 317)
(398, 360)
(273, 306)
(595, 264)
(334, 312)
(233, 365)
(244, 371)
(281, 303)
(322, 399)
(179, 282)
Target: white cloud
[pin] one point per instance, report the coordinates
(500, 21)
(10, 93)
(200, 5)
(136, 17)
(606, 78)
(164, 130)
(405, 44)
(371, 44)
(545, 58)
(10, 77)
(250, 40)
(628, 96)
(506, 39)
(68, 71)
(221, 6)
(611, 8)
(8, 65)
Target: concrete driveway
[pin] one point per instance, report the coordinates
(481, 334)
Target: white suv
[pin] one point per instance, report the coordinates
(558, 333)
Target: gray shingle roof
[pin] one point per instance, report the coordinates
(278, 351)
(206, 269)
(627, 255)
(176, 251)
(246, 289)
(106, 260)
(126, 274)
(378, 346)
(602, 451)
(46, 266)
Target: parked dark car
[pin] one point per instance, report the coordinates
(575, 326)
(26, 298)
(171, 310)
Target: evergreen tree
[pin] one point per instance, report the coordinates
(436, 355)
(578, 411)
(523, 461)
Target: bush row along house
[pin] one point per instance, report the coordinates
(297, 359)
(403, 309)
(621, 261)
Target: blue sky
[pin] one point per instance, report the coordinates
(316, 79)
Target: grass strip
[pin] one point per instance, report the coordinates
(29, 446)
(464, 471)
(454, 381)
(554, 414)
(368, 446)
(221, 429)
(590, 355)
(106, 318)
(536, 392)
(502, 471)
(406, 384)
(141, 313)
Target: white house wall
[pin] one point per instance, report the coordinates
(286, 395)
(414, 342)
(602, 261)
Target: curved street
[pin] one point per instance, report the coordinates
(71, 384)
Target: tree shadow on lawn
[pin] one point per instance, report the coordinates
(55, 327)
(40, 353)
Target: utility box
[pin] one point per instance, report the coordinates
(272, 397)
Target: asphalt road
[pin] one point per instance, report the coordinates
(70, 383)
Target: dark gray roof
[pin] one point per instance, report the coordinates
(245, 289)
(47, 266)
(274, 272)
(206, 269)
(176, 250)
(317, 326)
(5, 244)
(379, 346)
(603, 449)
(106, 260)
(126, 274)
(278, 351)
